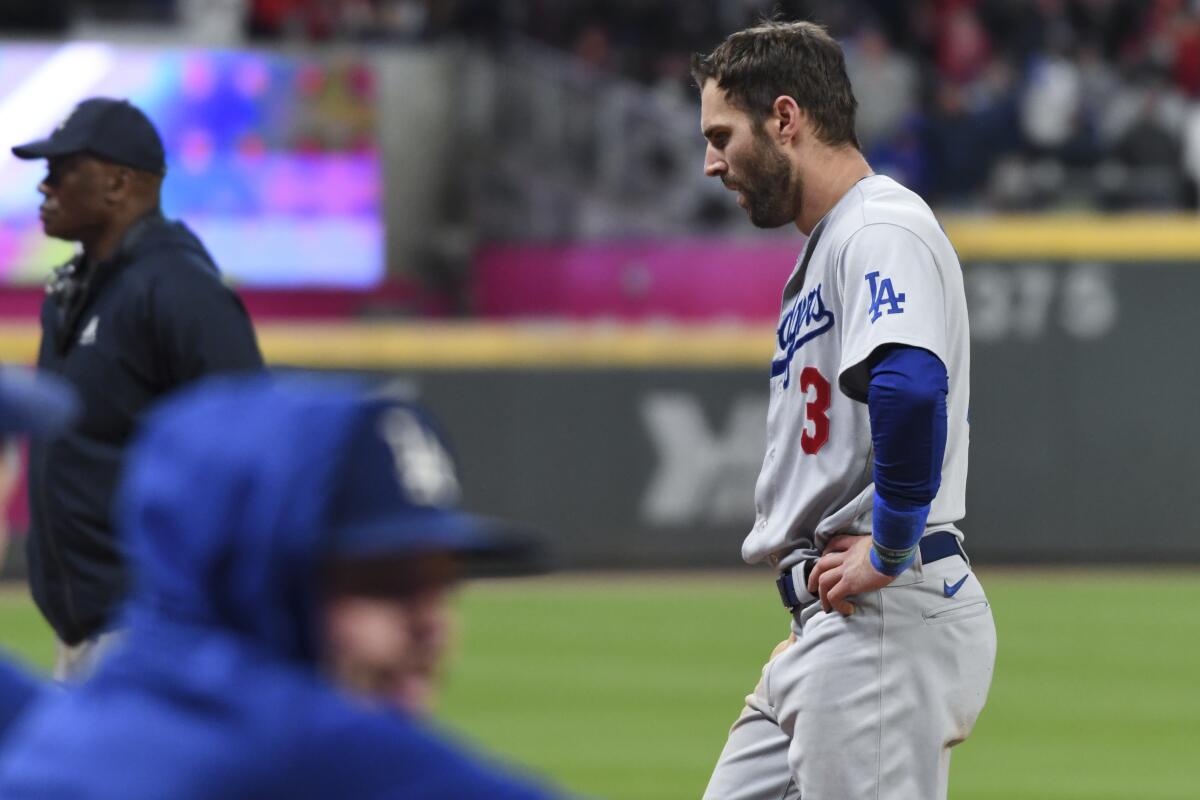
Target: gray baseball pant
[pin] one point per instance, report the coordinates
(867, 707)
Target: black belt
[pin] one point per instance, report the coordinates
(934, 547)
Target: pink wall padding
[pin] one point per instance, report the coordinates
(690, 279)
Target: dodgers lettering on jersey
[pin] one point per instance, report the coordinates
(807, 319)
(878, 270)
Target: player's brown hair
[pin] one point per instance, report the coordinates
(799, 59)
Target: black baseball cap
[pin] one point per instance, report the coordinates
(34, 403)
(110, 129)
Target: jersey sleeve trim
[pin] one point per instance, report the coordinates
(848, 371)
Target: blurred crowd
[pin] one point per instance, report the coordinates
(1031, 103)
(1009, 104)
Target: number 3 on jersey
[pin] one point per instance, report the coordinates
(816, 410)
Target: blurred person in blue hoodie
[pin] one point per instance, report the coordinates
(293, 543)
(33, 404)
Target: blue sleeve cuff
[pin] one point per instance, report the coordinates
(896, 533)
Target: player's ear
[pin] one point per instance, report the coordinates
(118, 182)
(787, 119)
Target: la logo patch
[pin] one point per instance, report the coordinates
(424, 468)
(884, 294)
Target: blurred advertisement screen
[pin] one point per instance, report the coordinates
(272, 159)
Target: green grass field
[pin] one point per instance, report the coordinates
(624, 686)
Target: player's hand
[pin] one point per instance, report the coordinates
(845, 569)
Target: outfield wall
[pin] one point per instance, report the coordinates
(638, 444)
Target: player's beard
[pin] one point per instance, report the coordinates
(767, 184)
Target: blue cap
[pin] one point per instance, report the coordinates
(113, 130)
(399, 494)
(35, 403)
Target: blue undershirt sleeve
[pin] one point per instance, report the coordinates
(906, 400)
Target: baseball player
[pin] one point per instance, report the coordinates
(892, 644)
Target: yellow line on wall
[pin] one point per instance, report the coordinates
(1128, 237)
(19, 342)
(475, 345)
(483, 345)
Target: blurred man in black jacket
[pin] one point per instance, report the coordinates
(138, 313)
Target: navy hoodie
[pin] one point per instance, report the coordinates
(216, 692)
(124, 333)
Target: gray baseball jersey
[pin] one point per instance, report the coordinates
(868, 705)
(877, 270)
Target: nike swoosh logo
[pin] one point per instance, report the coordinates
(950, 589)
